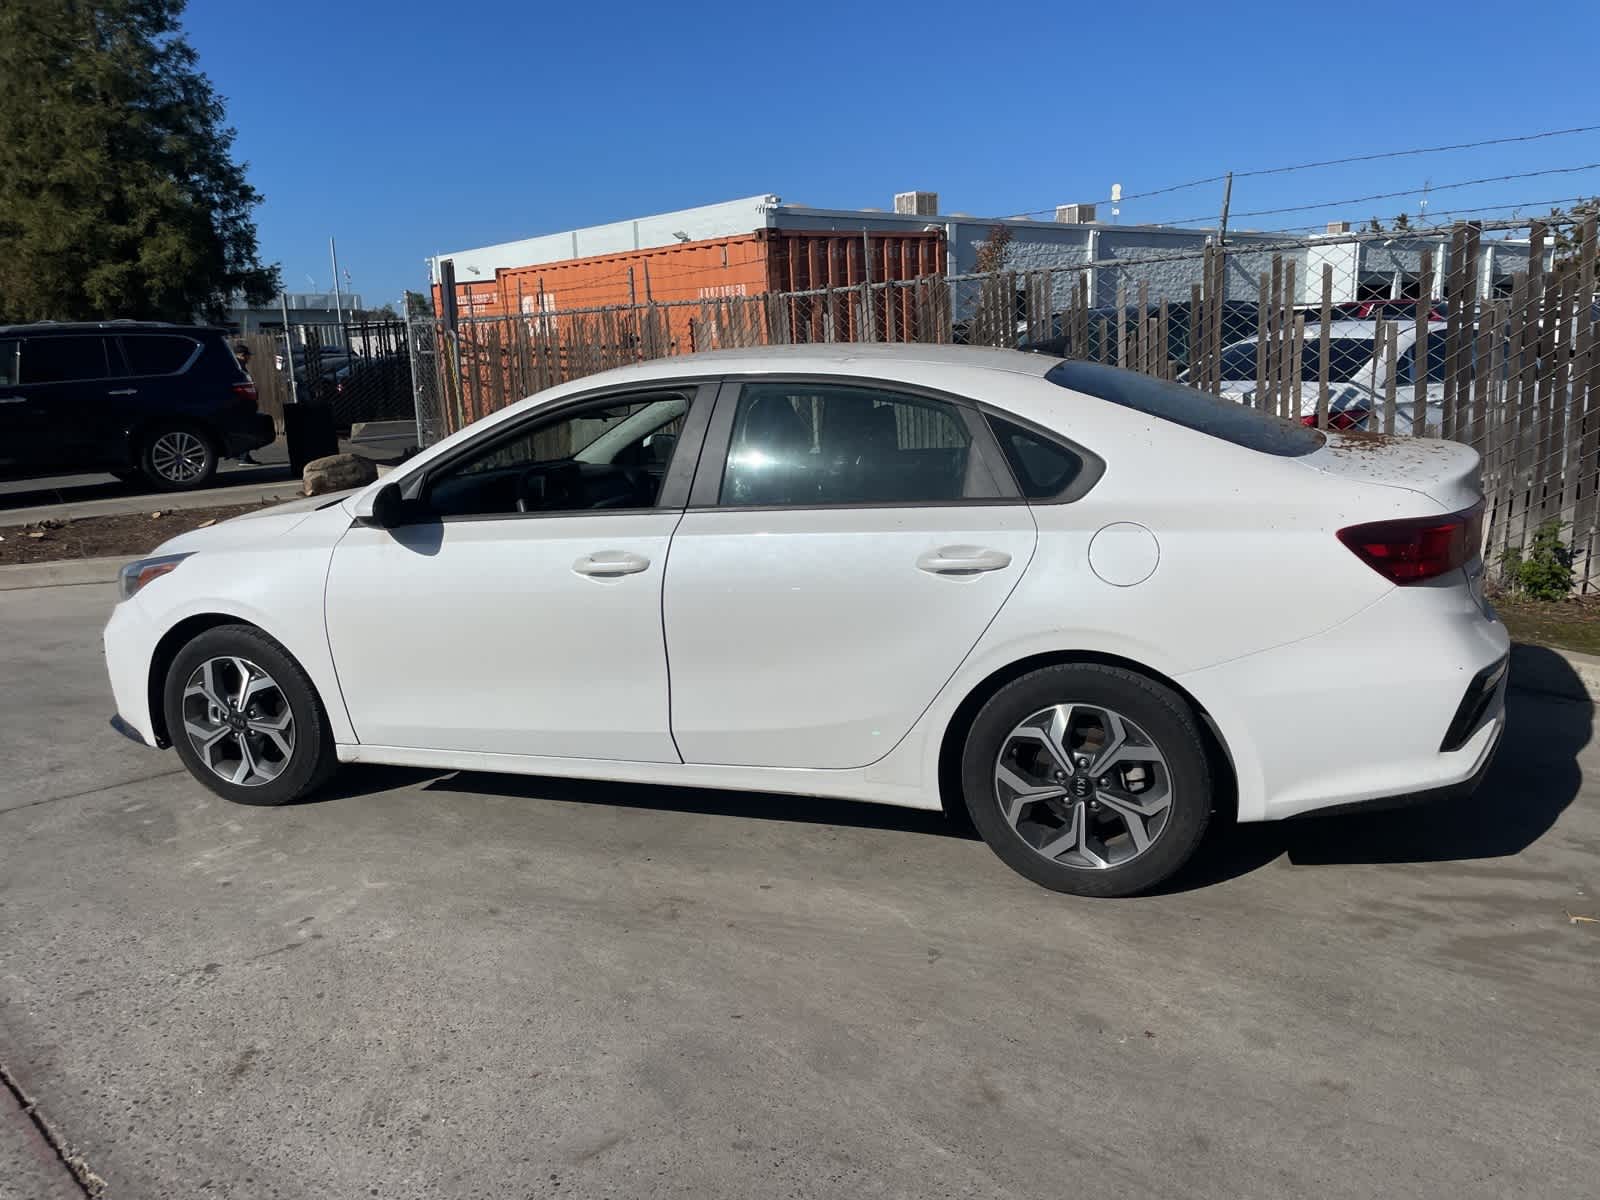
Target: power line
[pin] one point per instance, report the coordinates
(1338, 162)
(1444, 212)
(1436, 187)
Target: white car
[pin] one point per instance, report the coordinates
(1088, 607)
(1358, 374)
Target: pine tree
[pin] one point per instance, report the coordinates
(119, 196)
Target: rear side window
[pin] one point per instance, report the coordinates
(1185, 406)
(157, 354)
(807, 444)
(63, 359)
(8, 361)
(1043, 468)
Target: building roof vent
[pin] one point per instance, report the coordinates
(916, 204)
(1075, 214)
(1338, 226)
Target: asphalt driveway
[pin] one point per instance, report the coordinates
(442, 986)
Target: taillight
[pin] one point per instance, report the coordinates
(246, 391)
(1342, 421)
(1417, 548)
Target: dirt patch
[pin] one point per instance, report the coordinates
(125, 535)
(1561, 624)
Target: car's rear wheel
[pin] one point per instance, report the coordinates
(178, 458)
(1088, 779)
(246, 719)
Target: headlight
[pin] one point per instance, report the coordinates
(136, 574)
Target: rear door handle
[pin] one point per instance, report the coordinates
(13, 399)
(607, 564)
(963, 560)
(124, 392)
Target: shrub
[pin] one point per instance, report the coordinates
(1543, 569)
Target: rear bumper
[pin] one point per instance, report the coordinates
(1367, 712)
(1443, 794)
(255, 431)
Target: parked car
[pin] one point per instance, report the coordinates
(138, 399)
(1358, 375)
(1089, 606)
(1238, 316)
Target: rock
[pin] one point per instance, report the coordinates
(337, 472)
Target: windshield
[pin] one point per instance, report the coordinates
(1196, 410)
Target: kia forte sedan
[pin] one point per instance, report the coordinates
(1088, 607)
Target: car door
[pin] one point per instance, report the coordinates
(518, 609)
(846, 545)
(157, 384)
(57, 403)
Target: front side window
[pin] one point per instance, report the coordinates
(1239, 361)
(612, 454)
(1347, 357)
(807, 444)
(63, 359)
(9, 348)
(1405, 366)
(157, 354)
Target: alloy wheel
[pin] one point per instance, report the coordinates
(238, 720)
(1083, 786)
(178, 456)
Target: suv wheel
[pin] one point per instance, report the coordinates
(1088, 779)
(178, 458)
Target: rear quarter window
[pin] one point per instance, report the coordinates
(1213, 416)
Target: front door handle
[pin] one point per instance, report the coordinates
(607, 564)
(13, 399)
(963, 560)
(124, 392)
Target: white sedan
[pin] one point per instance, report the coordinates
(1087, 607)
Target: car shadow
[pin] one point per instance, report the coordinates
(1533, 779)
(714, 802)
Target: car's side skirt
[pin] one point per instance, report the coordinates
(863, 783)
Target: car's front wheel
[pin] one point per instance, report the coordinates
(1088, 779)
(245, 718)
(178, 458)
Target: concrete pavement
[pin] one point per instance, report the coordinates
(463, 985)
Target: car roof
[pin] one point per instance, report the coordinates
(840, 358)
(107, 327)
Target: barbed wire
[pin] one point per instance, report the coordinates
(1338, 162)
(1432, 187)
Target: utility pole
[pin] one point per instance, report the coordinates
(1227, 195)
(338, 301)
(288, 348)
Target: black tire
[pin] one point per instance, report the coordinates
(168, 471)
(1164, 717)
(312, 760)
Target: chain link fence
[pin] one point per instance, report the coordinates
(1483, 333)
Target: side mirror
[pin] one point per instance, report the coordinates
(388, 507)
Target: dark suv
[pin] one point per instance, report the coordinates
(137, 399)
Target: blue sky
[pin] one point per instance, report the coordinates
(407, 128)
